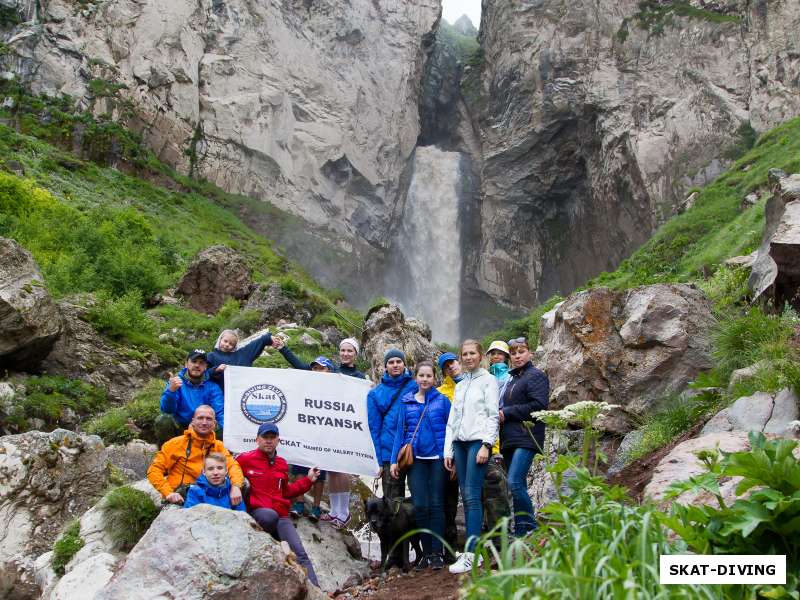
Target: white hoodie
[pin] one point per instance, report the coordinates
(474, 414)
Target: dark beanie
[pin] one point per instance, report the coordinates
(393, 353)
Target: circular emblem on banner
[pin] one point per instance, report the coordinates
(263, 403)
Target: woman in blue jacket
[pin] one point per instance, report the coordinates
(425, 412)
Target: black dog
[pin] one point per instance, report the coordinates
(391, 519)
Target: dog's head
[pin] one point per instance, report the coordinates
(379, 513)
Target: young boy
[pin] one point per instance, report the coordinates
(213, 486)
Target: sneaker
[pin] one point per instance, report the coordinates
(298, 510)
(326, 518)
(315, 514)
(422, 564)
(339, 524)
(464, 563)
(436, 562)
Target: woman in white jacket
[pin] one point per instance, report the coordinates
(471, 432)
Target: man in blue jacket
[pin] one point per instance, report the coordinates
(184, 393)
(383, 407)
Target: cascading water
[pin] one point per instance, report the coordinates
(429, 244)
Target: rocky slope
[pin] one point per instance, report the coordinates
(597, 117)
(310, 105)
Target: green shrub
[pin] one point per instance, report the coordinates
(127, 515)
(135, 419)
(675, 418)
(120, 317)
(741, 341)
(102, 249)
(66, 546)
(47, 396)
(764, 522)
(292, 288)
(527, 327)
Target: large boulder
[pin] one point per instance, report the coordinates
(386, 327)
(93, 565)
(629, 348)
(764, 412)
(775, 274)
(46, 479)
(335, 554)
(215, 275)
(207, 552)
(133, 458)
(682, 463)
(29, 319)
(274, 305)
(82, 353)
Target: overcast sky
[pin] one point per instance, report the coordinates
(452, 9)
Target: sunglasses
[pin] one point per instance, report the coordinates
(517, 341)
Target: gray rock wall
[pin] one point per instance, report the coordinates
(309, 105)
(593, 128)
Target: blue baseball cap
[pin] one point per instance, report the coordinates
(266, 428)
(444, 357)
(323, 362)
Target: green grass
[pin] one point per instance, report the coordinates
(133, 420)
(46, 397)
(66, 546)
(126, 238)
(699, 240)
(127, 515)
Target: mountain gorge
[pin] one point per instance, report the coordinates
(579, 127)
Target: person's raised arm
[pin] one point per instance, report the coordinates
(293, 360)
(254, 348)
(169, 398)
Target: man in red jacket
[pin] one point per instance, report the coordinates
(271, 492)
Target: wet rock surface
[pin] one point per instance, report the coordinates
(29, 318)
(628, 348)
(386, 327)
(215, 275)
(46, 479)
(775, 275)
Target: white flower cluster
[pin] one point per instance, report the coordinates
(586, 409)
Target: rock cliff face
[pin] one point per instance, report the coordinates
(597, 117)
(310, 105)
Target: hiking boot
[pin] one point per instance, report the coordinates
(465, 562)
(315, 514)
(422, 564)
(436, 562)
(298, 510)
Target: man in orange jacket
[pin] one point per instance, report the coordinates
(180, 460)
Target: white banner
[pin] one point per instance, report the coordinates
(322, 417)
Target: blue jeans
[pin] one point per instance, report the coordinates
(427, 478)
(519, 463)
(470, 481)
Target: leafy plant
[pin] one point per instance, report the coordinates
(127, 515)
(46, 397)
(593, 543)
(66, 546)
(767, 521)
(120, 317)
(135, 419)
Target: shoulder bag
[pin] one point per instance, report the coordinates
(405, 458)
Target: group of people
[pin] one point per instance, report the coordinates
(452, 430)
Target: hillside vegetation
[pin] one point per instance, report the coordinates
(124, 234)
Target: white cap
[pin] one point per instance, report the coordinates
(350, 341)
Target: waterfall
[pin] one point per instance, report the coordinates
(429, 244)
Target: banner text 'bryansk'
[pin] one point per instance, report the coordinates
(327, 421)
